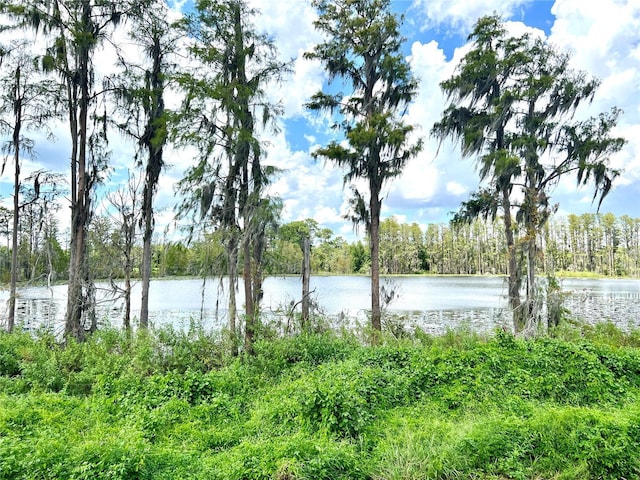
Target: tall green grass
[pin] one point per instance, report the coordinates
(173, 404)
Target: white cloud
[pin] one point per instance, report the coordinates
(305, 80)
(419, 181)
(327, 215)
(460, 15)
(456, 189)
(603, 39)
(290, 24)
(309, 188)
(423, 177)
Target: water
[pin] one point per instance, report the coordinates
(434, 303)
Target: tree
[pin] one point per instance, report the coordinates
(126, 202)
(301, 233)
(400, 246)
(24, 105)
(359, 257)
(223, 100)
(513, 99)
(363, 50)
(78, 27)
(630, 236)
(39, 193)
(549, 92)
(478, 117)
(140, 92)
(296, 231)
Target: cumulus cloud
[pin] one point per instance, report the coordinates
(425, 177)
(456, 189)
(460, 15)
(603, 39)
(309, 188)
(290, 24)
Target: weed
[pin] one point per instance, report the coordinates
(167, 404)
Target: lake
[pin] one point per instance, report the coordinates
(435, 303)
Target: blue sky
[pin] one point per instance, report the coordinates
(603, 38)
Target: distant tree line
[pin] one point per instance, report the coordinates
(601, 244)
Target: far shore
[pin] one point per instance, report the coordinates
(560, 274)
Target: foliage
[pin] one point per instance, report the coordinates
(156, 404)
(587, 245)
(32, 107)
(227, 111)
(363, 51)
(512, 105)
(584, 243)
(140, 95)
(224, 112)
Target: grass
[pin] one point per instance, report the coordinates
(169, 404)
(582, 274)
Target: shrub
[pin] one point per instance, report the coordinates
(12, 347)
(551, 442)
(318, 406)
(277, 356)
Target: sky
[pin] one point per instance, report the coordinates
(602, 38)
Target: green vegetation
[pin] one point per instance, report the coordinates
(172, 404)
(578, 245)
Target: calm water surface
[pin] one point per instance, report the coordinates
(434, 303)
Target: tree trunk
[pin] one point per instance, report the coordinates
(519, 321)
(146, 267)
(90, 296)
(75, 300)
(127, 302)
(16, 225)
(153, 140)
(17, 110)
(232, 255)
(127, 273)
(306, 273)
(531, 225)
(129, 229)
(256, 274)
(531, 278)
(374, 234)
(80, 197)
(249, 331)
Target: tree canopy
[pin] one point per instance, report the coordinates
(512, 105)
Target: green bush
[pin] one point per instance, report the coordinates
(168, 404)
(550, 442)
(277, 356)
(12, 347)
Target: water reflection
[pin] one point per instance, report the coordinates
(433, 303)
